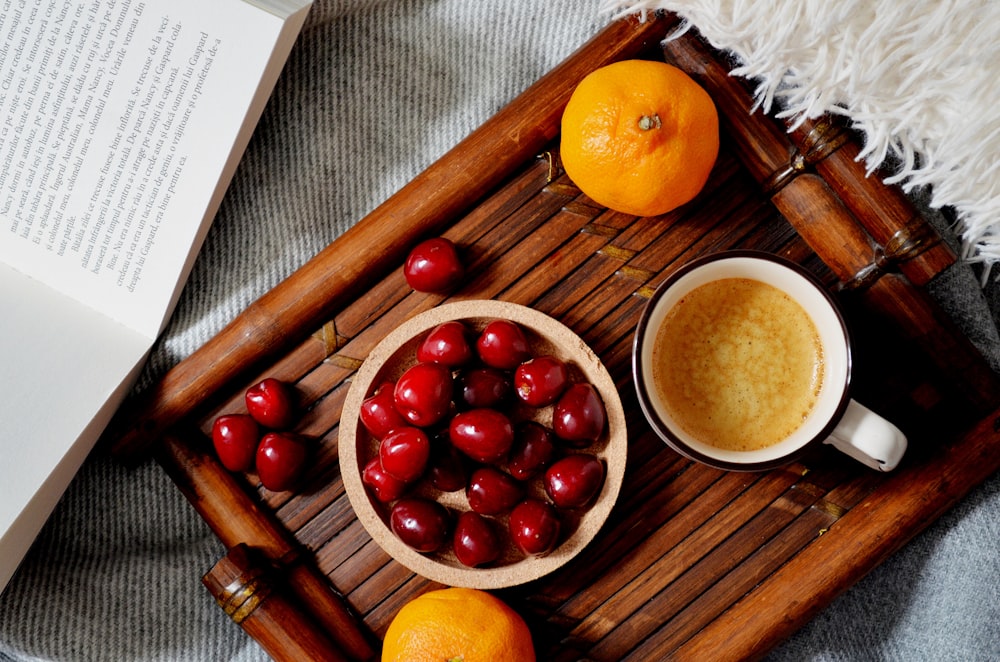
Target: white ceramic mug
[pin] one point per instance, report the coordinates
(834, 419)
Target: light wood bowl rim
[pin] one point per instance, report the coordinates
(556, 338)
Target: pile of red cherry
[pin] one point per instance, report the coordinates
(261, 438)
(473, 413)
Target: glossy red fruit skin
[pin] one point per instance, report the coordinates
(533, 449)
(420, 523)
(541, 380)
(502, 344)
(446, 469)
(384, 487)
(448, 343)
(404, 453)
(235, 438)
(433, 266)
(579, 416)
(281, 459)
(423, 393)
(492, 492)
(272, 403)
(534, 527)
(485, 435)
(378, 411)
(483, 387)
(574, 481)
(475, 541)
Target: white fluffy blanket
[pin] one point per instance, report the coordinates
(917, 78)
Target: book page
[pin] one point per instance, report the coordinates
(117, 119)
(67, 368)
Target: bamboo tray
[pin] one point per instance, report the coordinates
(693, 562)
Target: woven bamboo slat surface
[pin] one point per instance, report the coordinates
(693, 563)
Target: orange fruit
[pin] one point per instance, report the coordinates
(639, 137)
(457, 625)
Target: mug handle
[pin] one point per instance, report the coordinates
(868, 438)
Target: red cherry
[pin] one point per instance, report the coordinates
(272, 403)
(420, 523)
(423, 393)
(404, 453)
(447, 343)
(235, 438)
(378, 412)
(502, 344)
(574, 481)
(382, 485)
(579, 415)
(533, 449)
(433, 266)
(281, 458)
(446, 469)
(492, 492)
(475, 542)
(483, 387)
(534, 527)
(485, 435)
(540, 381)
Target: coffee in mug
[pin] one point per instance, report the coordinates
(742, 361)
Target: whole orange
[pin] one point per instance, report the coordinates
(457, 624)
(639, 137)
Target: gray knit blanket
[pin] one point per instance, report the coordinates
(374, 92)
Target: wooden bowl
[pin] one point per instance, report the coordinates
(397, 352)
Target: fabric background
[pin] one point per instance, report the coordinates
(373, 93)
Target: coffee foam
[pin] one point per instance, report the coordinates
(831, 398)
(738, 364)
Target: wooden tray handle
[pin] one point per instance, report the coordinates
(899, 237)
(907, 241)
(244, 585)
(235, 518)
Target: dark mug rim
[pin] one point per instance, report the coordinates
(642, 389)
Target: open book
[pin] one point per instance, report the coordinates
(121, 124)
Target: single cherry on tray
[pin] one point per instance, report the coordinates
(433, 266)
(235, 438)
(281, 459)
(272, 403)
